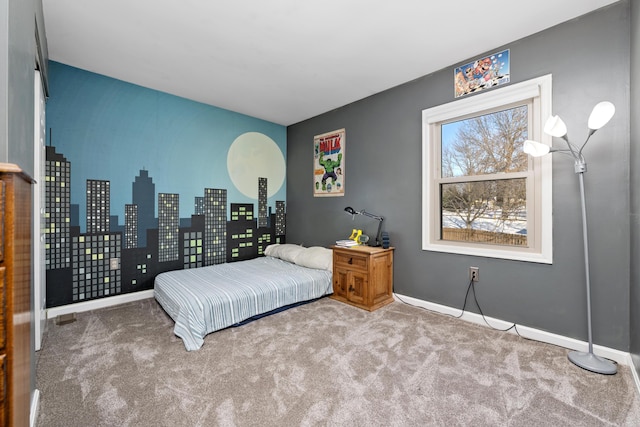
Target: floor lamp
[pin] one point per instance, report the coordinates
(554, 126)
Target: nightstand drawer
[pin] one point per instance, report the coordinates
(356, 260)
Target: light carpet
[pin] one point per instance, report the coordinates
(321, 364)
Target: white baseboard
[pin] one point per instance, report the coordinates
(35, 407)
(634, 372)
(98, 303)
(618, 356)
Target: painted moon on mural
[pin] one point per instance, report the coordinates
(254, 155)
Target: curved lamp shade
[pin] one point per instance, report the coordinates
(601, 114)
(534, 148)
(554, 126)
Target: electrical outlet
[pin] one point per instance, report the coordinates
(474, 274)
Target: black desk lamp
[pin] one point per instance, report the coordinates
(354, 212)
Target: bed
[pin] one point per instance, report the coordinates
(206, 299)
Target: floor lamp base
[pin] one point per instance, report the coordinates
(593, 363)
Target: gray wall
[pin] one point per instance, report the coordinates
(589, 60)
(4, 70)
(635, 188)
(17, 64)
(17, 147)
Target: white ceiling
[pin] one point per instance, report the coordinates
(286, 60)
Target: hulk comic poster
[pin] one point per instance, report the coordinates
(328, 164)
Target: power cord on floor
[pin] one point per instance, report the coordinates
(470, 288)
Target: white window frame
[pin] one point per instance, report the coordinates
(536, 92)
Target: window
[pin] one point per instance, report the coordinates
(482, 195)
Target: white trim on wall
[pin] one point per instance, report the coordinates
(98, 303)
(35, 408)
(618, 356)
(634, 372)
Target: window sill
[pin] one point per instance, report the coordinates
(489, 251)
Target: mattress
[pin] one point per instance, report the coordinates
(207, 299)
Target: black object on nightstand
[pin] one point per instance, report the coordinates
(385, 239)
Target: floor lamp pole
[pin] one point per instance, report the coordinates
(555, 127)
(588, 360)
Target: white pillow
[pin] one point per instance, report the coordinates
(271, 249)
(316, 257)
(285, 251)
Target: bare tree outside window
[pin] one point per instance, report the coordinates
(491, 209)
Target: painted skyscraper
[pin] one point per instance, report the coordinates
(280, 218)
(130, 226)
(98, 206)
(96, 267)
(192, 249)
(262, 202)
(215, 226)
(168, 227)
(199, 206)
(241, 229)
(144, 195)
(57, 215)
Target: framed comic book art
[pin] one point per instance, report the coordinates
(483, 73)
(328, 164)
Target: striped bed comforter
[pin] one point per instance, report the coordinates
(204, 300)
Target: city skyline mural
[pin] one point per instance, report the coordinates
(107, 260)
(140, 182)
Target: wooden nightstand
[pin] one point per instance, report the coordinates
(363, 276)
